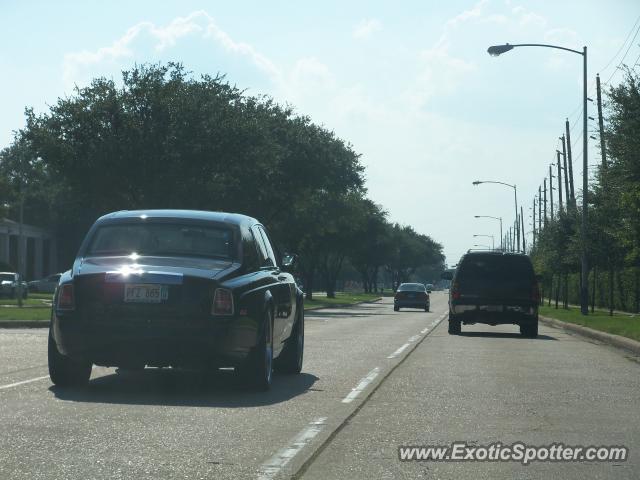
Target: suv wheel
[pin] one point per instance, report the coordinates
(64, 371)
(290, 360)
(396, 309)
(455, 326)
(529, 330)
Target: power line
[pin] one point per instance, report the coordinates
(624, 56)
(602, 70)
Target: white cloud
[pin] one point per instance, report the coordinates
(197, 23)
(365, 28)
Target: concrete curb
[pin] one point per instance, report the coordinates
(342, 305)
(45, 323)
(24, 323)
(604, 337)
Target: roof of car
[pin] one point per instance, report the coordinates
(223, 217)
(494, 252)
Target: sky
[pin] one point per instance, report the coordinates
(409, 84)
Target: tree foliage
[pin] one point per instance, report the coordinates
(164, 139)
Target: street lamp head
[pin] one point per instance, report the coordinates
(496, 50)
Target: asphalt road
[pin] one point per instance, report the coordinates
(176, 424)
(372, 380)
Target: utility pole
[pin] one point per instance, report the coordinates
(20, 247)
(570, 163)
(534, 221)
(559, 185)
(545, 202)
(603, 150)
(539, 209)
(566, 173)
(524, 242)
(551, 190)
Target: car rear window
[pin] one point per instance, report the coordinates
(162, 239)
(411, 287)
(495, 268)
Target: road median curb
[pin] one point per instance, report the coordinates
(604, 337)
(24, 323)
(342, 305)
(45, 323)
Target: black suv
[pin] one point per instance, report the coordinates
(494, 288)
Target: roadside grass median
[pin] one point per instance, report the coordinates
(25, 314)
(342, 299)
(623, 324)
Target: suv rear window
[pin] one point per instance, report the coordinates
(495, 268)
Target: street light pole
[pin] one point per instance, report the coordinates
(515, 196)
(500, 220)
(584, 284)
(496, 50)
(493, 242)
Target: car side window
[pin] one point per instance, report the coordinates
(265, 259)
(252, 257)
(267, 244)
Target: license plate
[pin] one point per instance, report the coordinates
(145, 293)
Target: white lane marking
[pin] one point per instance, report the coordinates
(11, 385)
(414, 338)
(424, 330)
(398, 351)
(275, 464)
(371, 376)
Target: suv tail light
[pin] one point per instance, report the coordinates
(535, 292)
(66, 299)
(455, 291)
(222, 302)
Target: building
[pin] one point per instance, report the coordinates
(38, 252)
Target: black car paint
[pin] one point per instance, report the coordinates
(181, 332)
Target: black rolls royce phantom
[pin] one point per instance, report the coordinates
(177, 288)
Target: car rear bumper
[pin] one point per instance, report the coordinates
(221, 342)
(494, 314)
(411, 303)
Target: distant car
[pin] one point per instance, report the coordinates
(494, 288)
(45, 285)
(177, 288)
(412, 295)
(9, 285)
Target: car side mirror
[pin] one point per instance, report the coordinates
(428, 291)
(446, 275)
(288, 262)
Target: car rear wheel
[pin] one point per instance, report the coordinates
(529, 330)
(426, 308)
(396, 309)
(455, 326)
(64, 371)
(290, 360)
(258, 370)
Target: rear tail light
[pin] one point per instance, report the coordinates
(535, 293)
(455, 291)
(66, 299)
(222, 302)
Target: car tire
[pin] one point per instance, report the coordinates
(529, 330)
(396, 309)
(64, 371)
(455, 326)
(290, 360)
(427, 308)
(257, 371)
